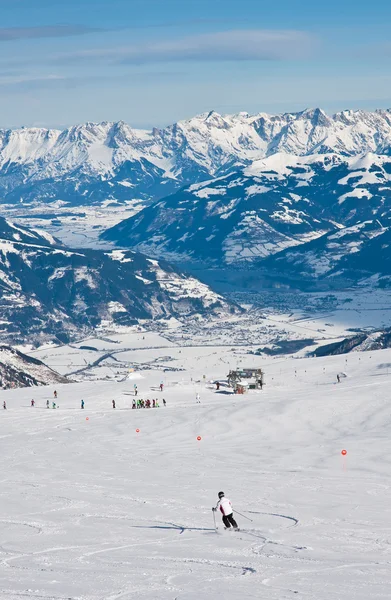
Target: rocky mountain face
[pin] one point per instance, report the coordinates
(96, 162)
(294, 218)
(19, 370)
(51, 292)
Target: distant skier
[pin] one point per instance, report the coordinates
(32, 402)
(53, 405)
(225, 507)
(164, 402)
(55, 394)
(47, 404)
(135, 389)
(82, 404)
(134, 404)
(113, 403)
(217, 385)
(161, 386)
(157, 404)
(338, 379)
(153, 403)
(198, 399)
(4, 405)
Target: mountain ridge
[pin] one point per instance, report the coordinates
(95, 162)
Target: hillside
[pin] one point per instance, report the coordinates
(19, 370)
(282, 205)
(51, 292)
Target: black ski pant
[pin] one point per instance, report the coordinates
(229, 520)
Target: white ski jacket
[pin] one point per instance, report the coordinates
(225, 506)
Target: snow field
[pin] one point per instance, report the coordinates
(92, 510)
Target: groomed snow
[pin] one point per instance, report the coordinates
(93, 510)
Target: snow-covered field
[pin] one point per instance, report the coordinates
(78, 227)
(91, 509)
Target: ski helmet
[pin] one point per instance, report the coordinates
(221, 494)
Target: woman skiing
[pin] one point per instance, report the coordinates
(226, 509)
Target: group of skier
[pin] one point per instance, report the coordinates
(147, 403)
(135, 404)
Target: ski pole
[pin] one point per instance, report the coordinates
(214, 518)
(248, 519)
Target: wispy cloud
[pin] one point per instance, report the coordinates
(235, 45)
(8, 34)
(24, 82)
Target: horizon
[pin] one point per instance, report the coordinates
(195, 116)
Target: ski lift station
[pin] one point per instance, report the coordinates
(244, 379)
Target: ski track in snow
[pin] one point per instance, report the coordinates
(92, 510)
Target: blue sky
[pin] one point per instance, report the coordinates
(152, 62)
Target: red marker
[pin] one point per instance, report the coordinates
(199, 438)
(137, 431)
(344, 452)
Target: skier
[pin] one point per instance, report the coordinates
(55, 394)
(153, 403)
(4, 405)
(32, 402)
(161, 386)
(135, 389)
(217, 385)
(226, 509)
(164, 402)
(198, 399)
(82, 404)
(113, 403)
(134, 404)
(338, 379)
(47, 404)
(157, 404)
(53, 405)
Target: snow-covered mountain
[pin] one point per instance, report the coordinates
(19, 370)
(361, 342)
(280, 202)
(93, 163)
(360, 254)
(50, 292)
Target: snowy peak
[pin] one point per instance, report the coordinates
(44, 165)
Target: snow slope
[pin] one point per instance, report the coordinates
(93, 510)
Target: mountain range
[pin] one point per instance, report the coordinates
(299, 197)
(100, 162)
(50, 292)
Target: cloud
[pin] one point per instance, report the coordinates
(235, 45)
(8, 34)
(24, 83)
